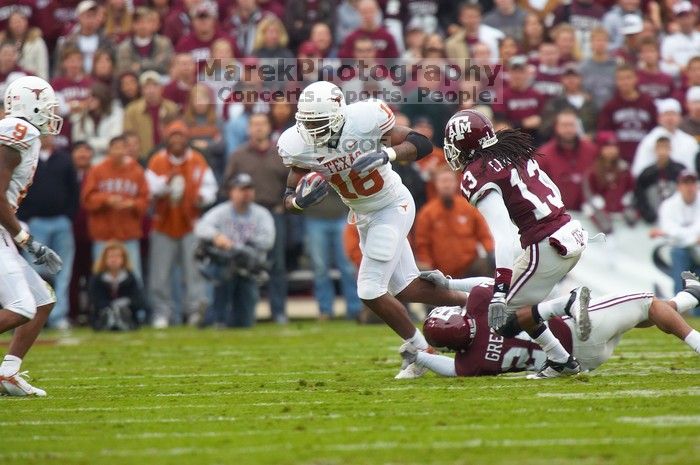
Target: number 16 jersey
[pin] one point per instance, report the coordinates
(365, 124)
(23, 137)
(533, 201)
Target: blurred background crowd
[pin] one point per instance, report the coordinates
(164, 201)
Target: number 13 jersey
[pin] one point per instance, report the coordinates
(533, 201)
(365, 124)
(23, 137)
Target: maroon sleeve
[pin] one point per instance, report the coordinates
(604, 121)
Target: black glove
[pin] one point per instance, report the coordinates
(311, 198)
(43, 255)
(370, 161)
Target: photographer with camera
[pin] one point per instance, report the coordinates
(236, 236)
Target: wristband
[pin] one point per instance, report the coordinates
(22, 237)
(391, 153)
(502, 280)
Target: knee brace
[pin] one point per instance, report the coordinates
(370, 289)
(511, 328)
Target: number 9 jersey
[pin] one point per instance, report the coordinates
(366, 122)
(23, 137)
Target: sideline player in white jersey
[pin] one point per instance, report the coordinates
(352, 147)
(25, 299)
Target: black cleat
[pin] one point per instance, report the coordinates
(556, 369)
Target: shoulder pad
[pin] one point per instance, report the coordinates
(17, 133)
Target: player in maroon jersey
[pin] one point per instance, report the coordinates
(480, 351)
(501, 177)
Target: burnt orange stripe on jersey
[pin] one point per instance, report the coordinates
(388, 123)
(14, 141)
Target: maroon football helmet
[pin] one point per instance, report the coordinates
(449, 328)
(467, 132)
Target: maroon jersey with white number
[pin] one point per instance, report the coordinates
(532, 199)
(491, 354)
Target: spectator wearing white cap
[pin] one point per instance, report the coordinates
(678, 48)
(691, 123)
(88, 35)
(684, 147)
(632, 27)
(613, 23)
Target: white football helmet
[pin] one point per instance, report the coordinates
(34, 100)
(320, 112)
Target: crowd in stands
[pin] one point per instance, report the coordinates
(610, 90)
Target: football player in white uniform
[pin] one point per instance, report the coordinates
(352, 147)
(25, 299)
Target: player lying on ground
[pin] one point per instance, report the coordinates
(500, 176)
(25, 299)
(480, 351)
(351, 147)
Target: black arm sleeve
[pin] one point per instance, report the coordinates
(422, 144)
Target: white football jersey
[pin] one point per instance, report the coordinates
(23, 137)
(365, 124)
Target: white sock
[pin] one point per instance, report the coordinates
(552, 347)
(418, 341)
(554, 307)
(439, 364)
(693, 340)
(10, 365)
(467, 284)
(685, 302)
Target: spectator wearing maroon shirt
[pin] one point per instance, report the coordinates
(630, 114)
(321, 39)
(574, 98)
(144, 50)
(564, 36)
(608, 186)
(548, 72)
(178, 22)
(472, 31)
(301, 17)
(583, 16)
(9, 69)
(204, 32)
(690, 78)
(534, 34)
(598, 72)
(567, 157)
(383, 41)
(521, 105)
(183, 72)
(652, 81)
(242, 25)
(87, 36)
(691, 123)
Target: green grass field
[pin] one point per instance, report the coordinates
(319, 394)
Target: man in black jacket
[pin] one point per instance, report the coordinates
(657, 182)
(48, 209)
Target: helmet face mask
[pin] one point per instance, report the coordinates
(320, 113)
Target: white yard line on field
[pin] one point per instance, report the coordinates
(623, 394)
(663, 420)
(357, 447)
